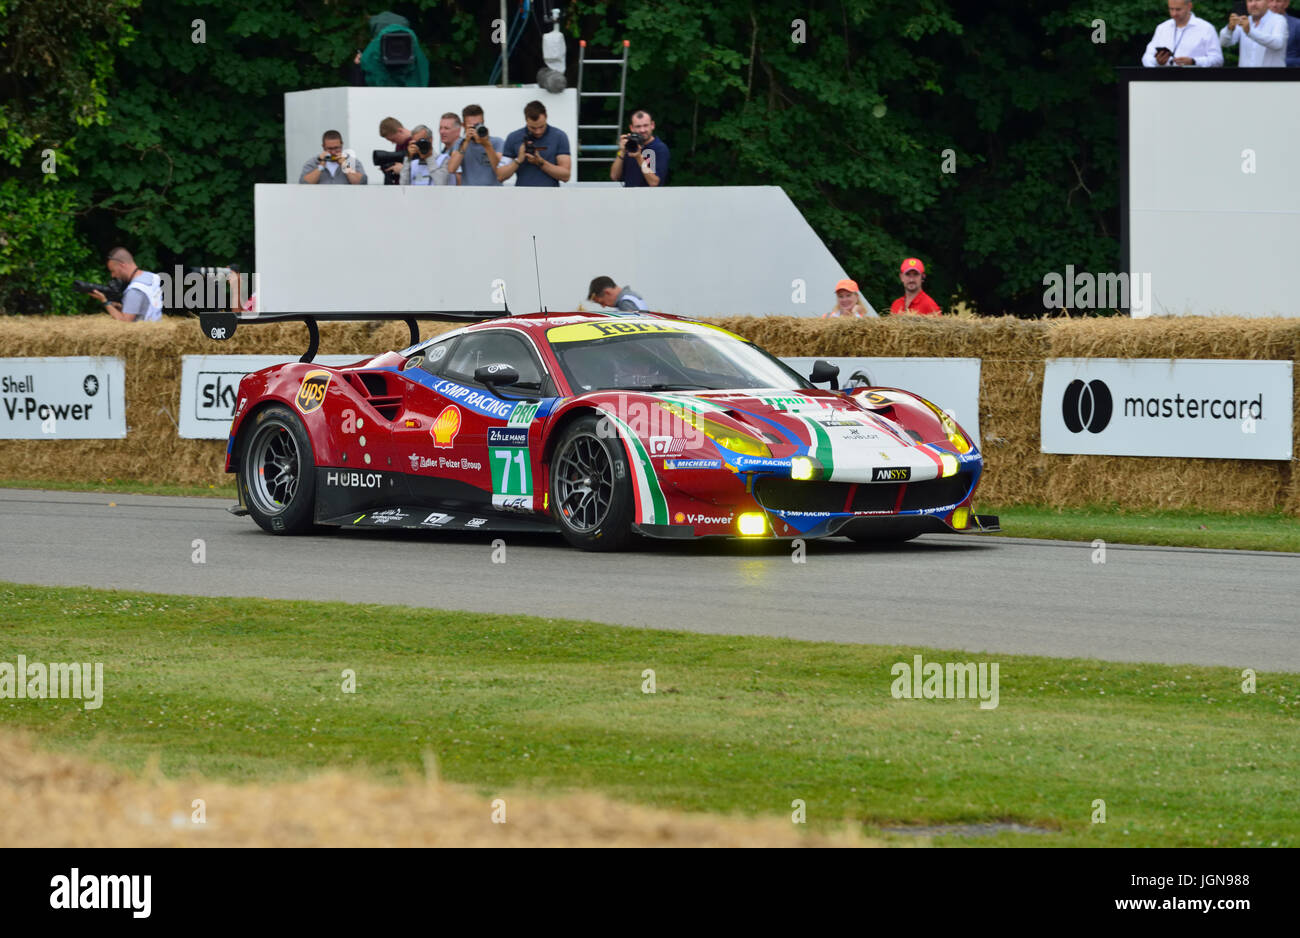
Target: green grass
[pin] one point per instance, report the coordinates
(241, 689)
(1181, 528)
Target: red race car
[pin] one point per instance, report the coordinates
(602, 426)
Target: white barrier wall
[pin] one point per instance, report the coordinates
(706, 251)
(1214, 205)
(356, 113)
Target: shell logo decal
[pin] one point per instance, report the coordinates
(446, 427)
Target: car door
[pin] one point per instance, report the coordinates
(457, 435)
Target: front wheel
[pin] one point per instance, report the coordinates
(277, 473)
(591, 486)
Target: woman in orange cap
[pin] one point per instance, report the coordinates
(849, 302)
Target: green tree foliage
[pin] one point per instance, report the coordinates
(854, 107)
(856, 123)
(56, 61)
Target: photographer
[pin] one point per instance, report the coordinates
(142, 296)
(642, 158)
(420, 168)
(1261, 33)
(392, 130)
(541, 152)
(449, 133)
(332, 165)
(478, 158)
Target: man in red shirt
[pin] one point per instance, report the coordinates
(914, 300)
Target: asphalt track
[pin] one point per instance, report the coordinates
(999, 595)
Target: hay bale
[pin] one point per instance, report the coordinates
(52, 800)
(152, 450)
(1150, 482)
(1013, 354)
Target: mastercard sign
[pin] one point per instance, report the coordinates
(312, 392)
(446, 427)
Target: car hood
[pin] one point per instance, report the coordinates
(764, 429)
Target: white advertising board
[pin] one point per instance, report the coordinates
(1192, 408)
(952, 383)
(62, 398)
(209, 384)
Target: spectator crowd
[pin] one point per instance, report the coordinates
(466, 153)
(1266, 36)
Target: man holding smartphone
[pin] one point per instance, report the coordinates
(1183, 39)
(1261, 33)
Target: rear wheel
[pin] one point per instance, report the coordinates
(591, 486)
(277, 473)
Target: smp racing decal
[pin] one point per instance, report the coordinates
(311, 394)
(476, 400)
(446, 427)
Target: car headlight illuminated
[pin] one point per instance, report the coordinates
(802, 468)
(745, 445)
(735, 440)
(960, 518)
(949, 462)
(752, 524)
(955, 437)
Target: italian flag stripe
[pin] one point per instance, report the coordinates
(651, 506)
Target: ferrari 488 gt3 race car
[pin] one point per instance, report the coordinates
(602, 426)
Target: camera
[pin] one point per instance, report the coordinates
(481, 130)
(385, 158)
(113, 290)
(424, 145)
(530, 148)
(634, 142)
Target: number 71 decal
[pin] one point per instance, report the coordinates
(512, 478)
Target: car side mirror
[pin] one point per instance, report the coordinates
(823, 371)
(490, 375)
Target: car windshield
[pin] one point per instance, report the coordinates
(658, 355)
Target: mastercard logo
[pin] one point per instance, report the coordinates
(446, 427)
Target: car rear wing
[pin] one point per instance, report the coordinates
(220, 325)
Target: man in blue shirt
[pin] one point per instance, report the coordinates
(478, 159)
(1293, 25)
(642, 157)
(540, 152)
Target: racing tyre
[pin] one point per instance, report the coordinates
(591, 486)
(277, 476)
